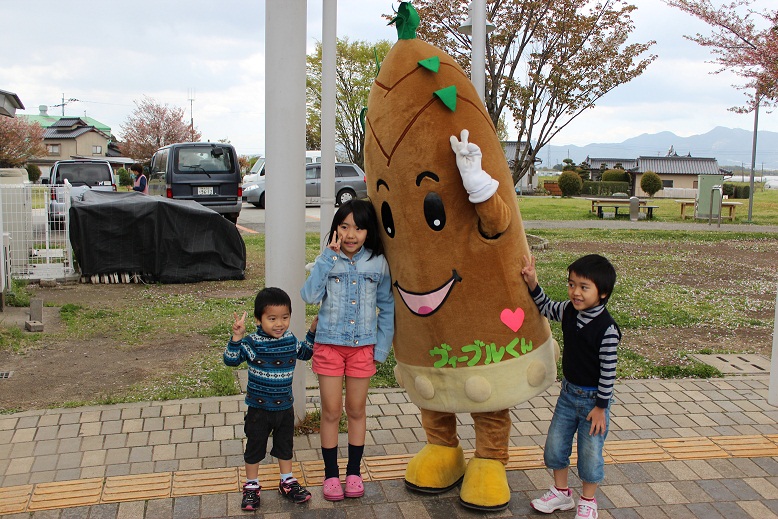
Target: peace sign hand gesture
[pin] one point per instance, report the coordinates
(238, 327)
(334, 244)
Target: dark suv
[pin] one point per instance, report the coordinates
(205, 172)
(350, 183)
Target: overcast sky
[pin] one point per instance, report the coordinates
(109, 54)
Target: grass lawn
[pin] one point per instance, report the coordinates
(764, 211)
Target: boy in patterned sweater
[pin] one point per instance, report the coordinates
(589, 370)
(271, 354)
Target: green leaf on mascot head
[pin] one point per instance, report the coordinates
(407, 20)
(432, 63)
(449, 96)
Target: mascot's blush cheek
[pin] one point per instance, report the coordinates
(512, 319)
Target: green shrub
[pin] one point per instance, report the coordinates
(728, 190)
(650, 183)
(615, 175)
(742, 191)
(604, 188)
(570, 183)
(33, 172)
(124, 177)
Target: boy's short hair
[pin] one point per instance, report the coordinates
(137, 168)
(271, 296)
(598, 270)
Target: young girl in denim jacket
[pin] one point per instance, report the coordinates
(351, 280)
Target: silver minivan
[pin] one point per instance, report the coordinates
(205, 172)
(350, 183)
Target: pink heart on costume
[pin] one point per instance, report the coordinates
(512, 319)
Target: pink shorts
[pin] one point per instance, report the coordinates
(335, 361)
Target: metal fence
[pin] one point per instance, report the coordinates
(37, 246)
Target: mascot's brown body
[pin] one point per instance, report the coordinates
(468, 338)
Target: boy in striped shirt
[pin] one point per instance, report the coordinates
(590, 338)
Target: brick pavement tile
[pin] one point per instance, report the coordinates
(644, 422)
(679, 511)
(403, 436)
(43, 447)
(181, 436)
(186, 507)
(623, 423)
(644, 494)
(140, 454)
(69, 445)
(159, 438)
(706, 510)
(202, 434)
(758, 417)
(137, 439)
(619, 496)
(763, 487)
(668, 492)
(131, 413)
(731, 510)
(525, 428)
(190, 408)
(69, 460)
(92, 472)
(758, 510)
(22, 450)
(79, 512)
(741, 489)
(117, 456)
(170, 410)
(409, 409)
(9, 424)
(212, 506)
(160, 508)
(673, 408)
(232, 447)
(23, 435)
(173, 422)
(703, 469)
(663, 397)
(112, 427)
(214, 420)
(151, 411)
(409, 421)
(46, 433)
(767, 428)
(131, 510)
(192, 421)
(234, 419)
(702, 419)
(388, 422)
(144, 467)
(232, 405)
(90, 429)
(769, 465)
(716, 490)
(44, 463)
(132, 425)
(190, 464)
(68, 430)
(93, 458)
(383, 437)
(70, 418)
(377, 398)
(67, 474)
(209, 449)
(390, 410)
(745, 430)
(163, 452)
(210, 406)
(17, 479)
(153, 424)
(412, 510)
(115, 441)
(635, 472)
(542, 414)
(120, 469)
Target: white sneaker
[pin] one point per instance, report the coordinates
(554, 500)
(586, 509)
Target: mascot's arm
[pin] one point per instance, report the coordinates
(385, 304)
(316, 284)
(493, 212)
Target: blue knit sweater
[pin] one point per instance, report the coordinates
(271, 365)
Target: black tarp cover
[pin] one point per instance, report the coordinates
(169, 241)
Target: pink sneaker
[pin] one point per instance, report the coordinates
(332, 489)
(354, 486)
(586, 509)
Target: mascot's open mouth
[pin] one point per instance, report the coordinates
(428, 303)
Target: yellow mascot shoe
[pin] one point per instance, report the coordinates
(485, 486)
(435, 469)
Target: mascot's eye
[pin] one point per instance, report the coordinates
(387, 219)
(434, 211)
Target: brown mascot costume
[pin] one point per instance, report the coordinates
(468, 337)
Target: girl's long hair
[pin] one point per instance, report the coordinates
(365, 218)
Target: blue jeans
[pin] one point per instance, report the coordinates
(572, 407)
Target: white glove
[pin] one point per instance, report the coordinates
(478, 184)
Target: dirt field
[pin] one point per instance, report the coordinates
(60, 370)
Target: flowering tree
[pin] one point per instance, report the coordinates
(743, 40)
(546, 62)
(19, 141)
(151, 126)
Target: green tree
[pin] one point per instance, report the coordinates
(124, 177)
(20, 141)
(570, 183)
(615, 175)
(546, 62)
(650, 183)
(33, 172)
(355, 71)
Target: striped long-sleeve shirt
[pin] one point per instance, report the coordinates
(590, 341)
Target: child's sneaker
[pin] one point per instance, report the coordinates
(292, 490)
(552, 501)
(250, 500)
(586, 509)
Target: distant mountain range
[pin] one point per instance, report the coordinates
(729, 146)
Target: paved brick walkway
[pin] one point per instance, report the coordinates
(677, 448)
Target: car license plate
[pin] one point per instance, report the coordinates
(207, 190)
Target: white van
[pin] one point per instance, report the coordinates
(312, 156)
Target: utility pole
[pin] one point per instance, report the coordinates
(191, 113)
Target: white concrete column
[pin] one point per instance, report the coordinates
(328, 96)
(772, 395)
(478, 50)
(285, 74)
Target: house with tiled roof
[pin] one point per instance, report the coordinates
(675, 171)
(68, 137)
(600, 164)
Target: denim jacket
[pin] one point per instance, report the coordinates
(350, 290)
